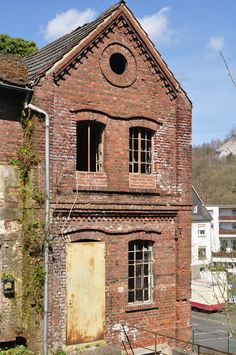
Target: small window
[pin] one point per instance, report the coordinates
(223, 245)
(140, 276)
(195, 209)
(201, 253)
(201, 230)
(89, 146)
(140, 150)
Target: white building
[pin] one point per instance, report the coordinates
(224, 234)
(201, 233)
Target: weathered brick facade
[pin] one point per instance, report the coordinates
(115, 206)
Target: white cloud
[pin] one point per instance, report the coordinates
(216, 43)
(157, 25)
(66, 22)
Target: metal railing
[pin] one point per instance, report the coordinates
(135, 337)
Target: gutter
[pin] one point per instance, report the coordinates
(47, 222)
(14, 87)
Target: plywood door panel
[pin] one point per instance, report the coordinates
(85, 292)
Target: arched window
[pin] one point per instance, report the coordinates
(140, 150)
(89, 146)
(140, 275)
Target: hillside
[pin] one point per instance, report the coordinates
(214, 177)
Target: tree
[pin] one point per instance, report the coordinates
(18, 46)
(228, 69)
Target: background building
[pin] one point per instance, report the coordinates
(224, 234)
(201, 232)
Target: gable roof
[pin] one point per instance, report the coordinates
(39, 62)
(12, 69)
(61, 53)
(201, 214)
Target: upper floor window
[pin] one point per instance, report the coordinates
(201, 230)
(140, 275)
(89, 146)
(140, 150)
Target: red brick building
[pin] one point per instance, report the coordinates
(120, 180)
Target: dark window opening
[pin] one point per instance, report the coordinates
(118, 63)
(140, 150)
(89, 146)
(201, 253)
(140, 274)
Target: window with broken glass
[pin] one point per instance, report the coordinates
(89, 146)
(140, 275)
(140, 150)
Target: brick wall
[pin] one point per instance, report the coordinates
(115, 206)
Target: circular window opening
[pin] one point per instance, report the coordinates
(118, 63)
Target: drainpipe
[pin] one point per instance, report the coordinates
(46, 229)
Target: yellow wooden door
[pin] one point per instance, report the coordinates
(85, 281)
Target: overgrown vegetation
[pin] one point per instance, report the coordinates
(32, 227)
(214, 178)
(18, 46)
(18, 350)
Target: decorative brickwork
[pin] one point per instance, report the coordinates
(112, 205)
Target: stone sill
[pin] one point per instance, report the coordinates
(140, 307)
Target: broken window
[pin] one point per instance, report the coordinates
(140, 150)
(140, 275)
(89, 146)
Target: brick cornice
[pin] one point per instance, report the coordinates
(77, 212)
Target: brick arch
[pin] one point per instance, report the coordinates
(99, 233)
(88, 115)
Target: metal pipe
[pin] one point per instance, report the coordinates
(47, 221)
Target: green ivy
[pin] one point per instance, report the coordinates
(32, 227)
(18, 350)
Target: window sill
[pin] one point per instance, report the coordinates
(86, 179)
(139, 307)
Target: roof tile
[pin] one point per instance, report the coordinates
(39, 62)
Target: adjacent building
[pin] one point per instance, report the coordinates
(224, 234)
(201, 233)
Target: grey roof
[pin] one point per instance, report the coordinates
(202, 215)
(39, 62)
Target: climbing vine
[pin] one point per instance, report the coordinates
(32, 201)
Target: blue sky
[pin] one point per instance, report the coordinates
(188, 33)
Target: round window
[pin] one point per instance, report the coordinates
(118, 63)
